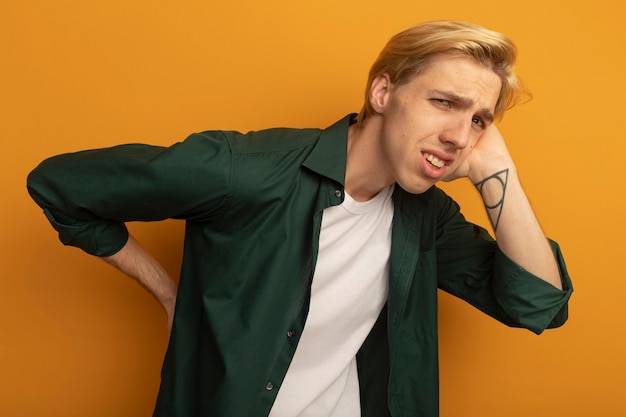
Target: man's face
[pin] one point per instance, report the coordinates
(431, 123)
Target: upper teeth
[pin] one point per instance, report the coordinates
(434, 160)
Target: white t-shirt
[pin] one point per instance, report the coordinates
(348, 292)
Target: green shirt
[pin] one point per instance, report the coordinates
(253, 208)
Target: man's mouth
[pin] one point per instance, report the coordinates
(434, 161)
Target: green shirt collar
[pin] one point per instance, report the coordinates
(329, 156)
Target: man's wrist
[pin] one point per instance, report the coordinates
(487, 169)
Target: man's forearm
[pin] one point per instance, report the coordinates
(136, 262)
(517, 229)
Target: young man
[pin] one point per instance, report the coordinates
(313, 257)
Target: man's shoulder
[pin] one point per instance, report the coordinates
(267, 140)
(279, 138)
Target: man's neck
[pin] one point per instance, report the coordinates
(366, 173)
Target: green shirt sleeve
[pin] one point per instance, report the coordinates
(529, 300)
(88, 196)
(472, 267)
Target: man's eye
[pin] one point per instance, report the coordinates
(478, 121)
(443, 102)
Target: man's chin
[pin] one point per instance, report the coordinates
(450, 176)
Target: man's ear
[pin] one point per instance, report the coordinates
(379, 92)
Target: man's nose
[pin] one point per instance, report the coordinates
(457, 133)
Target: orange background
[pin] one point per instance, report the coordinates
(80, 339)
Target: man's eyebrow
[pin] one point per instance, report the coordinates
(464, 101)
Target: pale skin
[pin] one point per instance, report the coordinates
(447, 112)
(436, 127)
(135, 261)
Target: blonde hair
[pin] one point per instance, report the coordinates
(407, 54)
